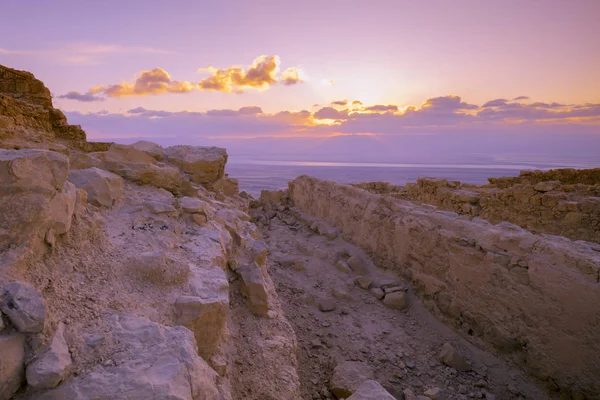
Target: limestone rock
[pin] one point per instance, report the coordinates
(378, 293)
(546, 186)
(24, 306)
(228, 186)
(34, 198)
(343, 266)
(363, 282)
(371, 390)
(49, 368)
(435, 394)
(154, 362)
(255, 288)
(136, 166)
(356, 264)
(200, 219)
(205, 165)
(205, 312)
(158, 268)
(348, 376)
(12, 364)
(397, 300)
(192, 205)
(152, 149)
(158, 207)
(452, 358)
(326, 305)
(103, 188)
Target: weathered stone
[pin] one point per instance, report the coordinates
(158, 268)
(200, 219)
(24, 306)
(204, 164)
(50, 367)
(348, 376)
(343, 266)
(363, 282)
(326, 305)
(377, 292)
(371, 390)
(205, 312)
(152, 149)
(219, 364)
(192, 205)
(435, 394)
(340, 294)
(153, 362)
(103, 188)
(228, 186)
(546, 186)
(158, 207)
(254, 288)
(452, 358)
(356, 264)
(12, 364)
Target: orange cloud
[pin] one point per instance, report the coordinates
(260, 75)
(156, 81)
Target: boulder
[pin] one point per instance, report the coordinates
(35, 201)
(371, 390)
(24, 306)
(397, 300)
(356, 264)
(348, 376)
(153, 362)
(50, 368)
(363, 282)
(546, 186)
(205, 312)
(136, 166)
(254, 288)
(193, 205)
(228, 186)
(103, 188)
(12, 364)
(205, 165)
(152, 149)
(343, 266)
(158, 207)
(452, 358)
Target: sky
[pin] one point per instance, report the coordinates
(345, 80)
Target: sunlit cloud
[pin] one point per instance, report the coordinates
(85, 97)
(521, 98)
(327, 82)
(382, 108)
(291, 76)
(339, 102)
(331, 113)
(155, 81)
(357, 103)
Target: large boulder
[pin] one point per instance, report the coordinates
(204, 164)
(348, 376)
(205, 311)
(136, 166)
(24, 306)
(371, 390)
(35, 200)
(50, 367)
(151, 362)
(254, 288)
(12, 364)
(103, 188)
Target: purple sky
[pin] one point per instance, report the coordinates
(425, 73)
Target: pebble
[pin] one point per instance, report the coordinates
(327, 305)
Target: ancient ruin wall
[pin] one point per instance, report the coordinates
(570, 209)
(531, 296)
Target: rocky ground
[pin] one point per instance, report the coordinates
(336, 322)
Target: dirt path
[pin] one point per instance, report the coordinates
(401, 347)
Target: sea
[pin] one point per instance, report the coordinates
(256, 175)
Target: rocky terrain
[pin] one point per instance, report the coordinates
(140, 272)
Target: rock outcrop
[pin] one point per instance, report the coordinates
(104, 189)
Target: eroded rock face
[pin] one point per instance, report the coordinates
(254, 288)
(103, 188)
(204, 164)
(35, 201)
(12, 364)
(24, 306)
(156, 362)
(50, 367)
(462, 270)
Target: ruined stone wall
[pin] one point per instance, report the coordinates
(570, 209)
(532, 297)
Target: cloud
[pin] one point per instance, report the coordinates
(327, 82)
(291, 76)
(141, 111)
(260, 75)
(250, 110)
(85, 97)
(495, 103)
(448, 103)
(155, 81)
(521, 98)
(339, 102)
(330, 113)
(381, 108)
(357, 103)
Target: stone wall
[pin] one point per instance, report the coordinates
(533, 297)
(569, 207)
